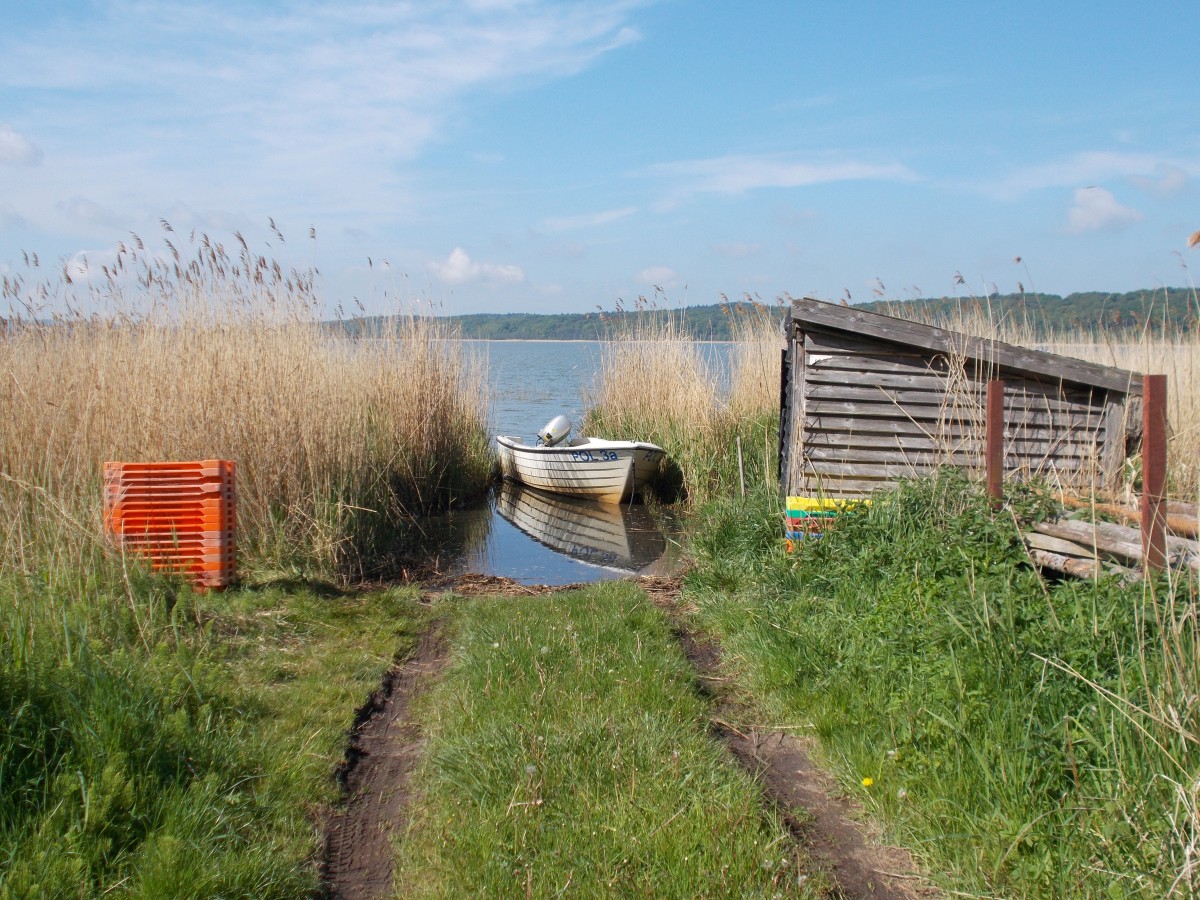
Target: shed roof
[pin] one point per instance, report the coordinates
(810, 314)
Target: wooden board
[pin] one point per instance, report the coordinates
(812, 316)
(941, 456)
(883, 409)
(822, 440)
(899, 396)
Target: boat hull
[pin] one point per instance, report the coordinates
(608, 471)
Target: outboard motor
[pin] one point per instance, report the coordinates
(555, 431)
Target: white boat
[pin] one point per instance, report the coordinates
(608, 471)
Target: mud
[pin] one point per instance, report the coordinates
(384, 749)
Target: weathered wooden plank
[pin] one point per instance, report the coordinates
(829, 321)
(797, 411)
(831, 362)
(919, 381)
(812, 485)
(940, 455)
(1117, 540)
(961, 444)
(902, 396)
(833, 440)
(785, 417)
(1113, 446)
(951, 427)
(1038, 541)
(827, 458)
(1079, 568)
(825, 341)
(888, 441)
(817, 407)
(826, 382)
(1183, 508)
(882, 471)
(1181, 525)
(914, 468)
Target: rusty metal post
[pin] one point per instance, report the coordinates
(994, 453)
(1154, 471)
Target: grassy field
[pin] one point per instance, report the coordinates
(162, 743)
(567, 756)
(1025, 738)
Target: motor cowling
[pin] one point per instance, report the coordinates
(555, 431)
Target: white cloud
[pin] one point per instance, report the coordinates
(1167, 181)
(87, 212)
(217, 102)
(737, 174)
(86, 265)
(588, 220)
(16, 149)
(658, 276)
(1089, 168)
(459, 268)
(10, 218)
(1096, 209)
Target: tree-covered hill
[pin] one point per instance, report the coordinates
(1173, 310)
(707, 323)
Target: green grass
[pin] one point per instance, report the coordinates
(161, 743)
(567, 755)
(1026, 739)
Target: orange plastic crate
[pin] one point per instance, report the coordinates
(179, 515)
(172, 521)
(160, 475)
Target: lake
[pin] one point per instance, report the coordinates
(538, 538)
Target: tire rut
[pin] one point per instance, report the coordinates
(384, 749)
(800, 791)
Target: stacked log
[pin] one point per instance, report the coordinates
(1087, 549)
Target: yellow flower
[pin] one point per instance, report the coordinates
(868, 781)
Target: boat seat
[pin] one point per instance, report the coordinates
(577, 442)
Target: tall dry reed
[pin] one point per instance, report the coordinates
(659, 384)
(1148, 351)
(337, 439)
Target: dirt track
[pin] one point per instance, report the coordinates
(385, 747)
(826, 826)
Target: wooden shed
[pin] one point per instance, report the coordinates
(869, 399)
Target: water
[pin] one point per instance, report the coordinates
(538, 538)
(531, 382)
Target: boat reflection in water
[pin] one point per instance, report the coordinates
(624, 537)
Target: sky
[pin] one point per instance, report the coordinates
(560, 156)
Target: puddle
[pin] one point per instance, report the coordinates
(535, 537)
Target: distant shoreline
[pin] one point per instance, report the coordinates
(520, 340)
(1169, 310)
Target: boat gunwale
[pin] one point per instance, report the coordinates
(516, 443)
